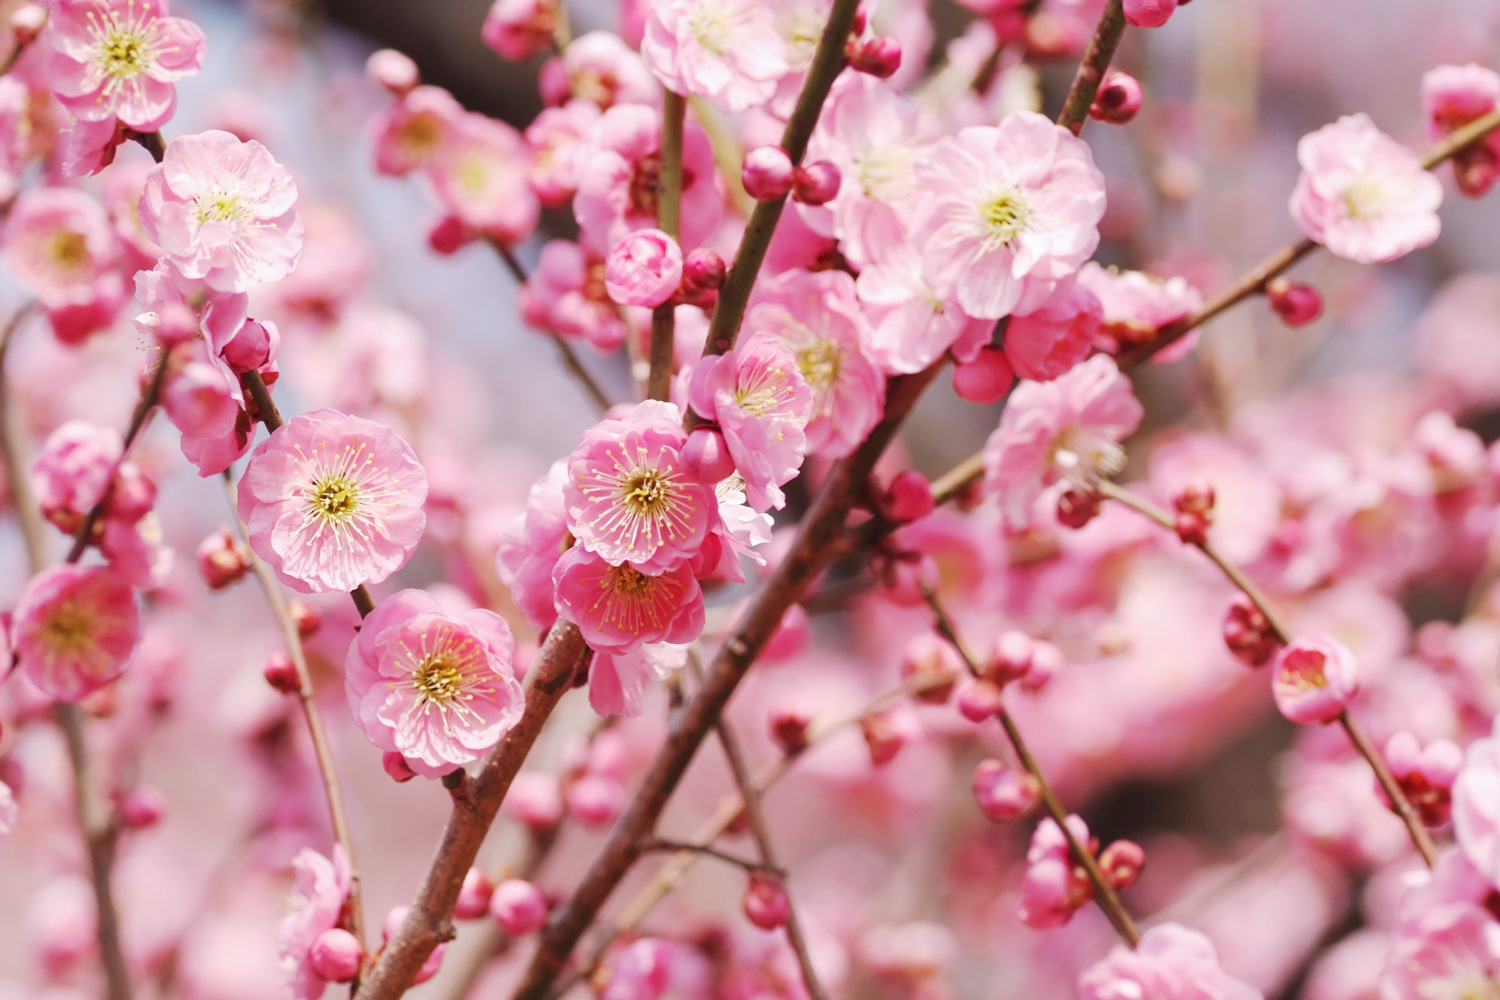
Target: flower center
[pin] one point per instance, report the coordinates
(636, 603)
(472, 174)
(885, 171)
(68, 630)
(123, 53)
(438, 679)
(646, 492)
(219, 205)
(802, 31)
(1304, 673)
(334, 498)
(1364, 199)
(1084, 456)
(422, 133)
(714, 25)
(1004, 216)
(820, 363)
(68, 250)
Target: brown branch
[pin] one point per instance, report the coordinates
(668, 216)
(1075, 109)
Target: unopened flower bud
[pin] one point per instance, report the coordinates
(281, 673)
(254, 346)
(767, 173)
(643, 269)
(703, 271)
(1010, 657)
(1192, 528)
(885, 734)
(908, 497)
(1248, 634)
(335, 955)
(979, 701)
(535, 801)
(305, 617)
(222, 560)
(932, 659)
(474, 895)
(789, 729)
(396, 766)
(1121, 863)
(1118, 99)
(706, 455)
(1316, 678)
(27, 21)
(141, 807)
(595, 800)
(880, 57)
(518, 907)
(395, 71)
(1076, 508)
(1005, 793)
(1297, 304)
(986, 379)
(817, 183)
(1046, 659)
(766, 902)
(1475, 170)
(449, 235)
(133, 496)
(861, 18)
(176, 324)
(1425, 774)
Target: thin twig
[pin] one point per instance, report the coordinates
(33, 527)
(1075, 109)
(1393, 791)
(658, 845)
(668, 216)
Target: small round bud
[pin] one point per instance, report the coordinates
(254, 346)
(449, 235)
(134, 494)
(281, 673)
(908, 497)
(884, 736)
(1296, 304)
(1248, 634)
(1010, 657)
(395, 71)
(27, 21)
(1046, 659)
(396, 766)
(595, 800)
(1475, 170)
(1075, 508)
(766, 902)
(986, 379)
(305, 617)
(1192, 528)
(535, 801)
(861, 18)
(880, 57)
(176, 323)
(789, 729)
(1004, 793)
(474, 895)
(817, 183)
(222, 560)
(706, 455)
(979, 701)
(1121, 863)
(703, 271)
(335, 955)
(1118, 99)
(931, 659)
(518, 907)
(141, 807)
(1315, 679)
(767, 173)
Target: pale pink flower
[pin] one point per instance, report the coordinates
(333, 501)
(1170, 963)
(1068, 430)
(483, 178)
(1449, 950)
(1008, 214)
(619, 608)
(435, 687)
(73, 471)
(566, 295)
(912, 327)
(84, 148)
(1314, 679)
(1363, 195)
(120, 59)
(1055, 886)
(1137, 304)
(318, 896)
(1476, 806)
(74, 629)
(531, 546)
(728, 51)
(761, 403)
(415, 131)
(605, 71)
(59, 244)
(555, 138)
(618, 679)
(644, 269)
(519, 29)
(224, 211)
(816, 317)
(629, 496)
(168, 300)
(1047, 343)
(741, 531)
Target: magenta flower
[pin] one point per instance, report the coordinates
(620, 608)
(333, 501)
(1315, 679)
(58, 242)
(644, 269)
(74, 629)
(518, 29)
(1149, 13)
(1009, 214)
(434, 687)
(1052, 341)
(629, 496)
(728, 51)
(531, 546)
(1453, 96)
(1476, 806)
(1068, 430)
(318, 896)
(1362, 194)
(1170, 963)
(120, 59)
(761, 403)
(224, 211)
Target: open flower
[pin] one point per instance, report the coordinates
(728, 51)
(74, 629)
(1315, 679)
(59, 243)
(120, 59)
(1170, 961)
(620, 608)
(434, 687)
(318, 896)
(333, 501)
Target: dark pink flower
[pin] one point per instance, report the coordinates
(619, 608)
(74, 629)
(1314, 679)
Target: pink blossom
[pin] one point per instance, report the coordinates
(74, 629)
(1362, 194)
(619, 608)
(333, 501)
(120, 59)
(555, 138)
(912, 327)
(437, 688)
(1051, 341)
(816, 317)
(1453, 96)
(1149, 13)
(566, 295)
(531, 546)
(519, 29)
(728, 51)
(224, 211)
(1137, 304)
(603, 70)
(1068, 430)
(761, 403)
(1055, 886)
(617, 680)
(205, 403)
(85, 148)
(1476, 806)
(1450, 950)
(1008, 214)
(318, 896)
(170, 302)
(1425, 774)
(644, 269)
(1170, 963)
(629, 496)
(74, 470)
(59, 244)
(483, 178)
(1315, 678)
(415, 131)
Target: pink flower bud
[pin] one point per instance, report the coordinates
(1149, 13)
(931, 658)
(395, 71)
(979, 701)
(986, 379)
(644, 269)
(335, 955)
(766, 902)
(396, 766)
(449, 235)
(1046, 659)
(908, 497)
(707, 457)
(595, 800)
(253, 347)
(133, 496)
(703, 270)
(1475, 170)
(1121, 863)
(1248, 634)
(1192, 528)
(1075, 508)
(518, 907)
(1005, 793)
(535, 801)
(305, 617)
(789, 729)
(176, 323)
(1316, 677)
(817, 183)
(885, 734)
(1118, 99)
(880, 57)
(767, 173)
(281, 673)
(1296, 304)
(222, 559)
(141, 807)
(1426, 775)
(27, 22)
(474, 895)
(1010, 657)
